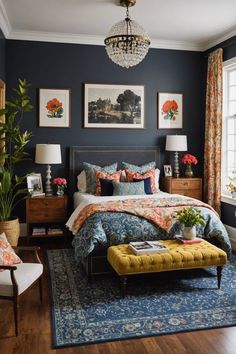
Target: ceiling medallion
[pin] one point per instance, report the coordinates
(127, 42)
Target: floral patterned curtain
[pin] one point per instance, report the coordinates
(213, 131)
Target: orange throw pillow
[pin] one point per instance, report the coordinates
(101, 174)
(7, 254)
(130, 175)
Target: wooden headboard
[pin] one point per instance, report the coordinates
(105, 155)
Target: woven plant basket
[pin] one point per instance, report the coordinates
(11, 229)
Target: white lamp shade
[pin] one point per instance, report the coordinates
(176, 143)
(48, 154)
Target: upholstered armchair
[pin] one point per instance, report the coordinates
(16, 279)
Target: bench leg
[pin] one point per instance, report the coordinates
(123, 281)
(219, 273)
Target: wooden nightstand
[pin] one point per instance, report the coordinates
(46, 212)
(191, 187)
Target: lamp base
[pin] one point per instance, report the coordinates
(176, 165)
(48, 187)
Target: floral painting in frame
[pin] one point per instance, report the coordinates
(54, 108)
(114, 106)
(170, 110)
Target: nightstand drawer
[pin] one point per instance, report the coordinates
(38, 204)
(50, 215)
(185, 184)
(190, 187)
(188, 193)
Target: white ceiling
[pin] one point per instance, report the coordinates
(174, 24)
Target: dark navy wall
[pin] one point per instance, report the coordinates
(54, 65)
(2, 56)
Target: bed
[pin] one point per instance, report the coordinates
(98, 222)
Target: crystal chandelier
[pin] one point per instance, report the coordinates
(127, 42)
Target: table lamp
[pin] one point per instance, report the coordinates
(176, 143)
(48, 154)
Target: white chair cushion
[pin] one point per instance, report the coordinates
(25, 274)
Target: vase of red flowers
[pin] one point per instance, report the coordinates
(188, 160)
(61, 184)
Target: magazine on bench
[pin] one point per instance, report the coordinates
(147, 247)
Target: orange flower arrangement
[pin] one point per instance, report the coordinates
(55, 109)
(170, 109)
(189, 159)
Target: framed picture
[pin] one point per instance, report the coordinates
(168, 170)
(113, 106)
(54, 108)
(34, 183)
(170, 110)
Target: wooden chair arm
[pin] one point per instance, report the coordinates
(34, 249)
(8, 267)
(26, 248)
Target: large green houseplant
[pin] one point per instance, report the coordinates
(12, 151)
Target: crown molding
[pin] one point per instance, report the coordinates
(95, 40)
(56, 37)
(223, 38)
(176, 45)
(5, 25)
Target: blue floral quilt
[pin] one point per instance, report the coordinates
(112, 228)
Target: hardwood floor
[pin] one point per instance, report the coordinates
(35, 330)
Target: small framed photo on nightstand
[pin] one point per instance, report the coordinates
(34, 184)
(168, 170)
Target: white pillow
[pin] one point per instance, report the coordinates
(81, 182)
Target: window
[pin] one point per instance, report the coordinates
(228, 173)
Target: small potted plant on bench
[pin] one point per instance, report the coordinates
(190, 217)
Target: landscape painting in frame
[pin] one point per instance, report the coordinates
(54, 108)
(170, 110)
(114, 106)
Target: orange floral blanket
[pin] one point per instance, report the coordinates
(158, 211)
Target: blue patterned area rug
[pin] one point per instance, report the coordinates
(166, 303)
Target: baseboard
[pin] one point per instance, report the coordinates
(232, 235)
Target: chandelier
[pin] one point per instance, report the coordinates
(127, 42)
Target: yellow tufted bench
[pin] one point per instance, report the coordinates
(180, 256)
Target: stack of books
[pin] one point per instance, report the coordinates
(55, 231)
(39, 231)
(181, 239)
(37, 194)
(147, 247)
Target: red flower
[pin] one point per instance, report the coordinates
(166, 106)
(187, 158)
(59, 181)
(53, 105)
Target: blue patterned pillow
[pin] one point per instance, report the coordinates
(140, 169)
(147, 184)
(125, 188)
(90, 176)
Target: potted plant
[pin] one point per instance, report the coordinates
(190, 217)
(232, 186)
(12, 151)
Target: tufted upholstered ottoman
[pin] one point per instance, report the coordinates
(180, 256)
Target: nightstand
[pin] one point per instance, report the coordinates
(191, 187)
(46, 216)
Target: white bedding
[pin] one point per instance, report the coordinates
(81, 200)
